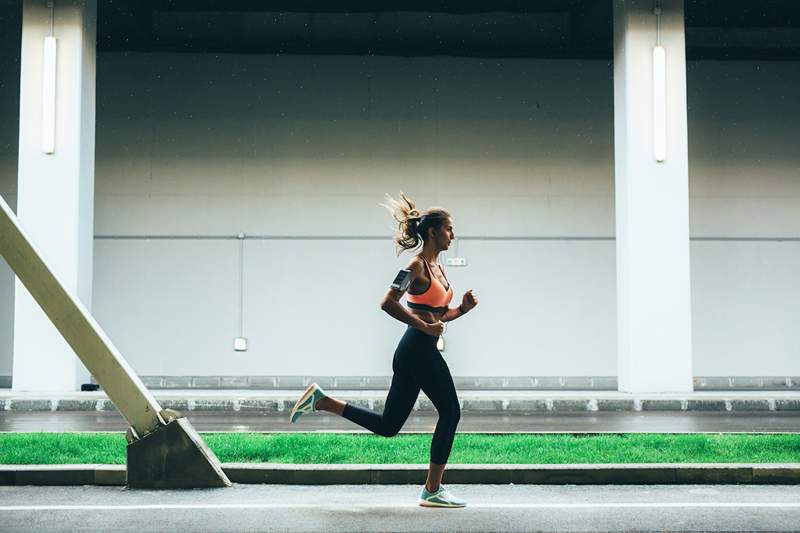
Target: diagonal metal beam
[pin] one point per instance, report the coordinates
(139, 408)
(162, 453)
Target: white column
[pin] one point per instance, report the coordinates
(55, 201)
(652, 202)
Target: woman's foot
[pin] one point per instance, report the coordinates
(307, 402)
(439, 498)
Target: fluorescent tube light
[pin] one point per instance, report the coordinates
(49, 96)
(659, 103)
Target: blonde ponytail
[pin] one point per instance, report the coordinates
(412, 225)
(407, 216)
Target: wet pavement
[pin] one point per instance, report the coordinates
(354, 508)
(582, 422)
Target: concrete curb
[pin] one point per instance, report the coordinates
(401, 474)
(471, 402)
(88, 474)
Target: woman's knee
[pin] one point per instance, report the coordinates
(391, 432)
(389, 429)
(451, 414)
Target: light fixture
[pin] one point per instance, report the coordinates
(659, 92)
(49, 89)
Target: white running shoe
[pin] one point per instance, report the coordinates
(306, 403)
(440, 498)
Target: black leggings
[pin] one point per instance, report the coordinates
(417, 364)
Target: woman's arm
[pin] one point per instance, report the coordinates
(467, 303)
(391, 301)
(391, 304)
(453, 313)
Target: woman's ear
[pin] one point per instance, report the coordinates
(429, 233)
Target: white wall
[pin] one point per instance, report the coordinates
(195, 145)
(745, 184)
(306, 146)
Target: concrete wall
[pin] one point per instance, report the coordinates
(515, 148)
(301, 149)
(292, 147)
(745, 189)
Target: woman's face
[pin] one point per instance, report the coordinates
(443, 235)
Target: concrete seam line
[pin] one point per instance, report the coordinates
(598, 505)
(712, 473)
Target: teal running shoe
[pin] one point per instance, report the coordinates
(307, 401)
(440, 498)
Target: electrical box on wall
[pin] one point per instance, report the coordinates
(240, 344)
(456, 261)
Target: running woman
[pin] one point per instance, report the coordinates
(417, 363)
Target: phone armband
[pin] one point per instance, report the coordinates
(401, 281)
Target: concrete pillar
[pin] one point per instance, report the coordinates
(652, 203)
(55, 201)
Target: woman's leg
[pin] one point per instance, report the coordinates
(437, 384)
(399, 402)
(330, 404)
(402, 393)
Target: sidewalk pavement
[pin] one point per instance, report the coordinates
(401, 474)
(484, 401)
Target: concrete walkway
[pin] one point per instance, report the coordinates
(418, 422)
(353, 508)
(398, 474)
(484, 401)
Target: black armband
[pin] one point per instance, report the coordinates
(401, 281)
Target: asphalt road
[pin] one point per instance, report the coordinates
(500, 508)
(590, 422)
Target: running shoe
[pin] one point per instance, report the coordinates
(305, 404)
(440, 498)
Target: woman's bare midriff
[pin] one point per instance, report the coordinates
(427, 316)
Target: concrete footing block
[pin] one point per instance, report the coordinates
(173, 457)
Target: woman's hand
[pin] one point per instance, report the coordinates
(435, 329)
(469, 301)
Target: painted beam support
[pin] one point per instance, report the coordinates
(652, 197)
(164, 450)
(55, 198)
(78, 327)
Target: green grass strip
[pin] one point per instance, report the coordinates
(328, 448)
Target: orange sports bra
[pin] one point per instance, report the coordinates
(436, 297)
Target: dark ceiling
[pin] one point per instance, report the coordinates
(715, 29)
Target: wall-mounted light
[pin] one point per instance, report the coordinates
(49, 58)
(49, 95)
(659, 92)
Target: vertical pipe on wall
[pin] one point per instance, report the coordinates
(241, 285)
